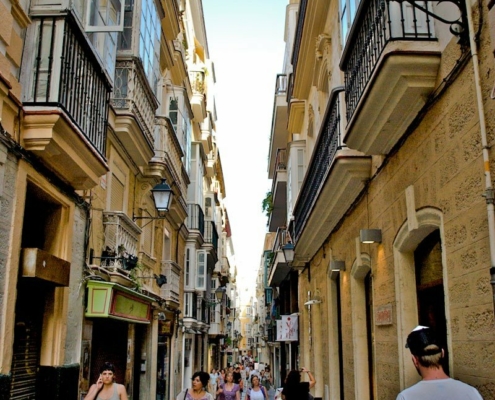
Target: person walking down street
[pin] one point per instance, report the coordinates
(198, 390)
(427, 355)
(105, 387)
(212, 385)
(229, 390)
(294, 389)
(256, 391)
(238, 378)
(221, 378)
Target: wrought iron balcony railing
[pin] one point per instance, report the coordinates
(378, 23)
(171, 290)
(211, 235)
(133, 94)
(329, 141)
(195, 218)
(65, 73)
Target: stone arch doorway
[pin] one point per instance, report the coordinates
(419, 250)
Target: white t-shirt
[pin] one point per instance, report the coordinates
(256, 395)
(440, 389)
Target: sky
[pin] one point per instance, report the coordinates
(246, 44)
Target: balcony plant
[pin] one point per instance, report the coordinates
(267, 204)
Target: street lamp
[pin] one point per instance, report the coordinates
(288, 251)
(162, 197)
(220, 292)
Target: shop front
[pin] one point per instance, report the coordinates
(117, 329)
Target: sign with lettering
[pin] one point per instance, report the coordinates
(384, 314)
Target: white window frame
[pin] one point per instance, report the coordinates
(347, 13)
(105, 28)
(201, 265)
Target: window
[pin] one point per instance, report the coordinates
(300, 168)
(149, 42)
(178, 114)
(348, 10)
(201, 270)
(190, 305)
(187, 263)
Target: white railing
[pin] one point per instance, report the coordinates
(121, 233)
(171, 290)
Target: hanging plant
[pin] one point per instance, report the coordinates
(267, 204)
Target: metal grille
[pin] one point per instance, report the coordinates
(379, 23)
(171, 290)
(25, 362)
(120, 231)
(329, 141)
(68, 76)
(195, 218)
(133, 93)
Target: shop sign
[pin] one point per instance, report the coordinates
(110, 300)
(384, 315)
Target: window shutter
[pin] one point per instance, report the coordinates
(117, 195)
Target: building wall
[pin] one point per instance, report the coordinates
(438, 170)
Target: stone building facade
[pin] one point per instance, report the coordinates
(389, 119)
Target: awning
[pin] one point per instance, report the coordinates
(111, 300)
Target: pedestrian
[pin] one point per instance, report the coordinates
(427, 355)
(212, 385)
(105, 387)
(294, 389)
(221, 377)
(256, 391)
(199, 387)
(229, 390)
(238, 378)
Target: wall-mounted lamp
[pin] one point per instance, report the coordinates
(161, 316)
(288, 250)
(160, 279)
(370, 235)
(315, 300)
(162, 196)
(336, 266)
(219, 292)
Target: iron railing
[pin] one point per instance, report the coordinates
(121, 232)
(133, 93)
(211, 235)
(67, 74)
(329, 141)
(195, 218)
(197, 79)
(378, 22)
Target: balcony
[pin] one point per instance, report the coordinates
(279, 268)
(198, 101)
(279, 133)
(335, 177)
(211, 235)
(207, 135)
(121, 233)
(135, 106)
(170, 292)
(65, 99)
(390, 63)
(167, 163)
(278, 216)
(195, 219)
(225, 270)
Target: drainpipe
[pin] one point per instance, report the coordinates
(489, 192)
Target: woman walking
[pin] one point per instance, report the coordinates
(256, 391)
(198, 391)
(229, 390)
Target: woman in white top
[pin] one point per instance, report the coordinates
(256, 392)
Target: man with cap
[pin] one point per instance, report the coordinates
(427, 357)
